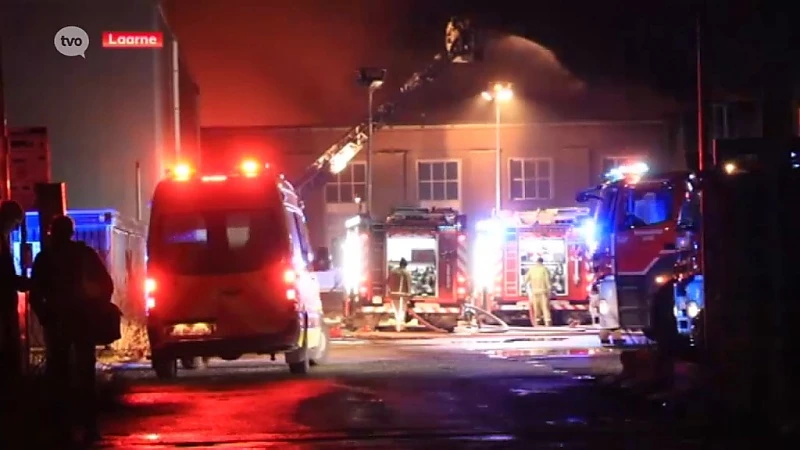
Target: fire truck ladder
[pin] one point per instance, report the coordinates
(459, 48)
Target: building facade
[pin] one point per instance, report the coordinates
(542, 165)
(107, 111)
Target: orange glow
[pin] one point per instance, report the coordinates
(291, 294)
(461, 291)
(461, 279)
(182, 172)
(290, 276)
(249, 168)
(149, 286)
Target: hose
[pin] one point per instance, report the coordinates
(501, 324)
(424, 322)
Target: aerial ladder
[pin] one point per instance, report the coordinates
(460, 47)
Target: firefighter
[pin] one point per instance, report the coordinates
(399, 284)
(538, 280)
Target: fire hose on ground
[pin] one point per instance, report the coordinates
(471, 312)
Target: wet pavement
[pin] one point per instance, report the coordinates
(452, 392)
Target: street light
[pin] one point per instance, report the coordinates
(372, 78)
(497, 93)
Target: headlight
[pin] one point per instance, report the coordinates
(692, 310)
(602, 307)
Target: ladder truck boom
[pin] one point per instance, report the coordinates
(459, 48)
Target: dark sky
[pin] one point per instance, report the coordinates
(286, 62)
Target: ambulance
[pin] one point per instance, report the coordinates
(229, 270)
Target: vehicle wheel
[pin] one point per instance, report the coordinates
(321, 352)
(165, 368)
(189, 363)
(298, 359)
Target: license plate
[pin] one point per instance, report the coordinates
(192, 329)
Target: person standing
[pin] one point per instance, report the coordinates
(399, 284)
(538, 280)
(67, 282)
(11, 216)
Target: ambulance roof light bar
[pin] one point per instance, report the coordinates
(248, 168)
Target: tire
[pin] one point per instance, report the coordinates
(298, 360)
(165, 368)
(189, 363)
(300, 368)
(321, 352)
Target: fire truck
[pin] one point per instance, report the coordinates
(633, 240)
(735, 156)
(506, 247)
(432, 241)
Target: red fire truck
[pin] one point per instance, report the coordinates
(510, 243)
(434, 244)
(634, 244)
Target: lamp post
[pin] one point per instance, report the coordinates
(371, 78)
(497, 93)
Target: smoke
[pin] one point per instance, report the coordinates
(532, 65)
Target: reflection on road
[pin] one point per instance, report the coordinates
(479, 393)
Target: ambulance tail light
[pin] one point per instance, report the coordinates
(289, 276)
(149, 291)
(250, 168)
(289, 279)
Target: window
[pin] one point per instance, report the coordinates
(647, 205)
(302, 234)
(350, 183)
(217, 242)
(689, 216)
(438, 180)
(531, 178)
(612, 162)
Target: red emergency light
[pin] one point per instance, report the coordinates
(249, 168)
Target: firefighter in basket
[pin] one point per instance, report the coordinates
(539, 287)
(399, 284)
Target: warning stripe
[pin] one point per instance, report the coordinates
(463, 263)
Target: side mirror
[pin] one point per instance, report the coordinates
(586, 196)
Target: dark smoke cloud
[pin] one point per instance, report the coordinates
(282, 62)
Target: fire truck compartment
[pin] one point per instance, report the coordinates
(422, 253)
(553, 250)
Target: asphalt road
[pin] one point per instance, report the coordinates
(523, 390)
